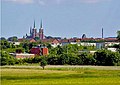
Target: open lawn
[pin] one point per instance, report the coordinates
(59, 76)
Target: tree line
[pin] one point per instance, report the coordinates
(101, 57)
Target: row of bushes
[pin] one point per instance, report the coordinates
(101, 57)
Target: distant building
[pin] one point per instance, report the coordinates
(44, 51)
(52, 42)
(22, 55)
(34, 33)
(39, 50)
(32, 40)
(64, 42)
(35, 51)
(100, 45)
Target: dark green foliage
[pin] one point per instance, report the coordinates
(6, 59)
(59, 50)
(118, 35)
(2, 38)
(64, 59)
(20, 50)
(86, 59)
(37, 38)
(107, 58)
(14, 38)
(53, 60)
(36, 59)
(73, 60)
(5, 44)
(43, 63)
(49, 46)
(28, 60)
(26, 47)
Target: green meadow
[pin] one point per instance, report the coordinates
(59, 76)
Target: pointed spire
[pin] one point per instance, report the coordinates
(34, 23)
(30, 30)
(41, 24)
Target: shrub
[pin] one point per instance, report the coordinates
(107, 58)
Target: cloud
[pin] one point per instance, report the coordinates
(92, 1)
(41, 2)
(21, 1)
(46, 2)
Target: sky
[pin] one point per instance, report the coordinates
(61, 18)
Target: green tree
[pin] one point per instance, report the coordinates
(5, 44)
(37, 38)
(2, 38)
(6, 59)
(118, 35)
(64, 59)
(14, 39)
(49, 46)
(59, 50)
(26, 47)
(53, 59)
(107, 58)
(73, 59)
(36, 59)
(83, 58)
(43, 63)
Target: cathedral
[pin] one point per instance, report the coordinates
(35, 34)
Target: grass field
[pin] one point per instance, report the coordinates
(59, 76)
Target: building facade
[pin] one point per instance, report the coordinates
(39, 51)
(22, 55)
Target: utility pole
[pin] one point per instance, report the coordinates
(102, 32)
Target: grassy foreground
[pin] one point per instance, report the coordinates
(59, 76)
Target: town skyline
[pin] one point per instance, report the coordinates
(61, 18)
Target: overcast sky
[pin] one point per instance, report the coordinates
(63, 18)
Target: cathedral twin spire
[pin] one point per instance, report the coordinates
(40, 25)
(34, 33)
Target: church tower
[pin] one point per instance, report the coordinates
(30, 31)
(41, 34)
(34, 31)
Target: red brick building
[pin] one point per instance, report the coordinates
(44, 51)
(39, 51)
(35, 51)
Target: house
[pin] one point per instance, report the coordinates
(53, 42)
(44, 51)
(64, 42)
(39, 51)
(111, 41)
(87, 44)
(21, 39)
(22, 55)
(73, 41)
(32, 40)
(35, 51)
(100, 45)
